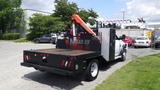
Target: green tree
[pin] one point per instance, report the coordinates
(16, 3)
(92, 13)
(88, 15)
(65, 10)
(10, 15)
(41, 24)
(84, 14)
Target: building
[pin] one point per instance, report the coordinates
(153, 25)
(29, 12)
(133, 25)
(128, 24)
(148, 25)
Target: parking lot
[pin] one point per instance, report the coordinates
(15, 77)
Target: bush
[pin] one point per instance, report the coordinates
(21, 40)
(32, 36)
(11, 36)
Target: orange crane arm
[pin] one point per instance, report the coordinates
(78, 20)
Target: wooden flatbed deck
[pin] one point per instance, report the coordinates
(66, 52)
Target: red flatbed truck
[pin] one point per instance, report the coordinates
(79, 52)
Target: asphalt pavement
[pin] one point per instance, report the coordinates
(13, 76)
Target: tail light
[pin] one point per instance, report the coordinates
(69, 65)
(62, 63)
(67, 62)
(27, 57)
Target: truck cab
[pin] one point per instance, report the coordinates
(81, 51)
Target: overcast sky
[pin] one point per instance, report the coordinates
(108, 9)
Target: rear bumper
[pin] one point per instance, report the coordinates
(49, 69)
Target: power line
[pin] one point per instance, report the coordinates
(38, 11)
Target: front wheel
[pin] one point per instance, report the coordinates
(92, 70)
(123, 56)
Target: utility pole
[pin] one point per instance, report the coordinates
(123, 15)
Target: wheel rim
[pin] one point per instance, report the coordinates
(94, 69)
(124, 56)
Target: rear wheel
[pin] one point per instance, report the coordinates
(92, 70)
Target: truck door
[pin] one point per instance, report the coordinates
(117, 46)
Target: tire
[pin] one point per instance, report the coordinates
(92, 70)
(123, 56)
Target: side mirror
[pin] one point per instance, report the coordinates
(122, 37)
